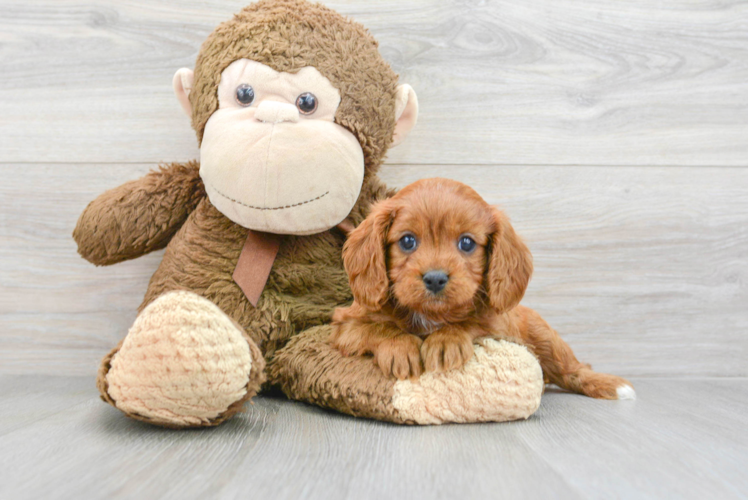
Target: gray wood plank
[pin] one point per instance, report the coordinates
(25, 400)
(537, 82)
(641, 270)
(680, 439)
(671, 432)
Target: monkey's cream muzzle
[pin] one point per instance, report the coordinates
(269, 168)
(280, 176)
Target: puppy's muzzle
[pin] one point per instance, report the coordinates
(435, 281)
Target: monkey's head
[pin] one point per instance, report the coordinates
(294, 109)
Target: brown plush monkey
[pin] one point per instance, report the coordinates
(294, 109)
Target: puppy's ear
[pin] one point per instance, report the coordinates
(364, 256)
(509, 265)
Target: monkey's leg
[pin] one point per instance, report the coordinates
(503, 381)
(562, 368)
(184, 363)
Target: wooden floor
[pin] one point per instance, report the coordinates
(615, 136)
(681, 439)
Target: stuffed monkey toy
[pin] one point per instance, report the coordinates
(294, 110)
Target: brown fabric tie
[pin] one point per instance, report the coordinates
(256, 260)
(257, 257)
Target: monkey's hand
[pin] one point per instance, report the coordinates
(139, 216)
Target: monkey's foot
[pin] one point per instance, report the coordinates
(184, 363)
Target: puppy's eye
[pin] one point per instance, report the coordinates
(466, 244)
(408, 243)
(245, 94)
(307, 103)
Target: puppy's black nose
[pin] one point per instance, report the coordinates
(435, 281)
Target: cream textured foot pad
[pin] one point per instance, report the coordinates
(502, 382)
(183, 363)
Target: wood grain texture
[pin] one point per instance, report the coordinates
(641, 269)
(680, 439)
(499, 82)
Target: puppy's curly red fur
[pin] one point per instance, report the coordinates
(408, 326)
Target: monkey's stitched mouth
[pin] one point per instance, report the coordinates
(270, 208)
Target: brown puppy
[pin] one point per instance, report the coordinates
(432, 269)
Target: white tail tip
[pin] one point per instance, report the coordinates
(626, 392)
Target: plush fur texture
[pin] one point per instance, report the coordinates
(407, 327)
(204, 368)
(307, 281)
(288, 35)
(169, 208)
(139, 216)
(503, 381)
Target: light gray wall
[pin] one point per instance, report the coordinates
(615, 134)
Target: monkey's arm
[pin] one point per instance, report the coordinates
(139, 216)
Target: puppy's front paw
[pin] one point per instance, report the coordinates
(400, 356)
(349, 338)
(446, 351)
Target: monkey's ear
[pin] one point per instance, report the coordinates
(406, 113)
(182, 83)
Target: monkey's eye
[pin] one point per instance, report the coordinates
(245, 94)
(307, 103)
(408, 243)
(466, 244)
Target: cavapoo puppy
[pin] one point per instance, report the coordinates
(432, 269)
